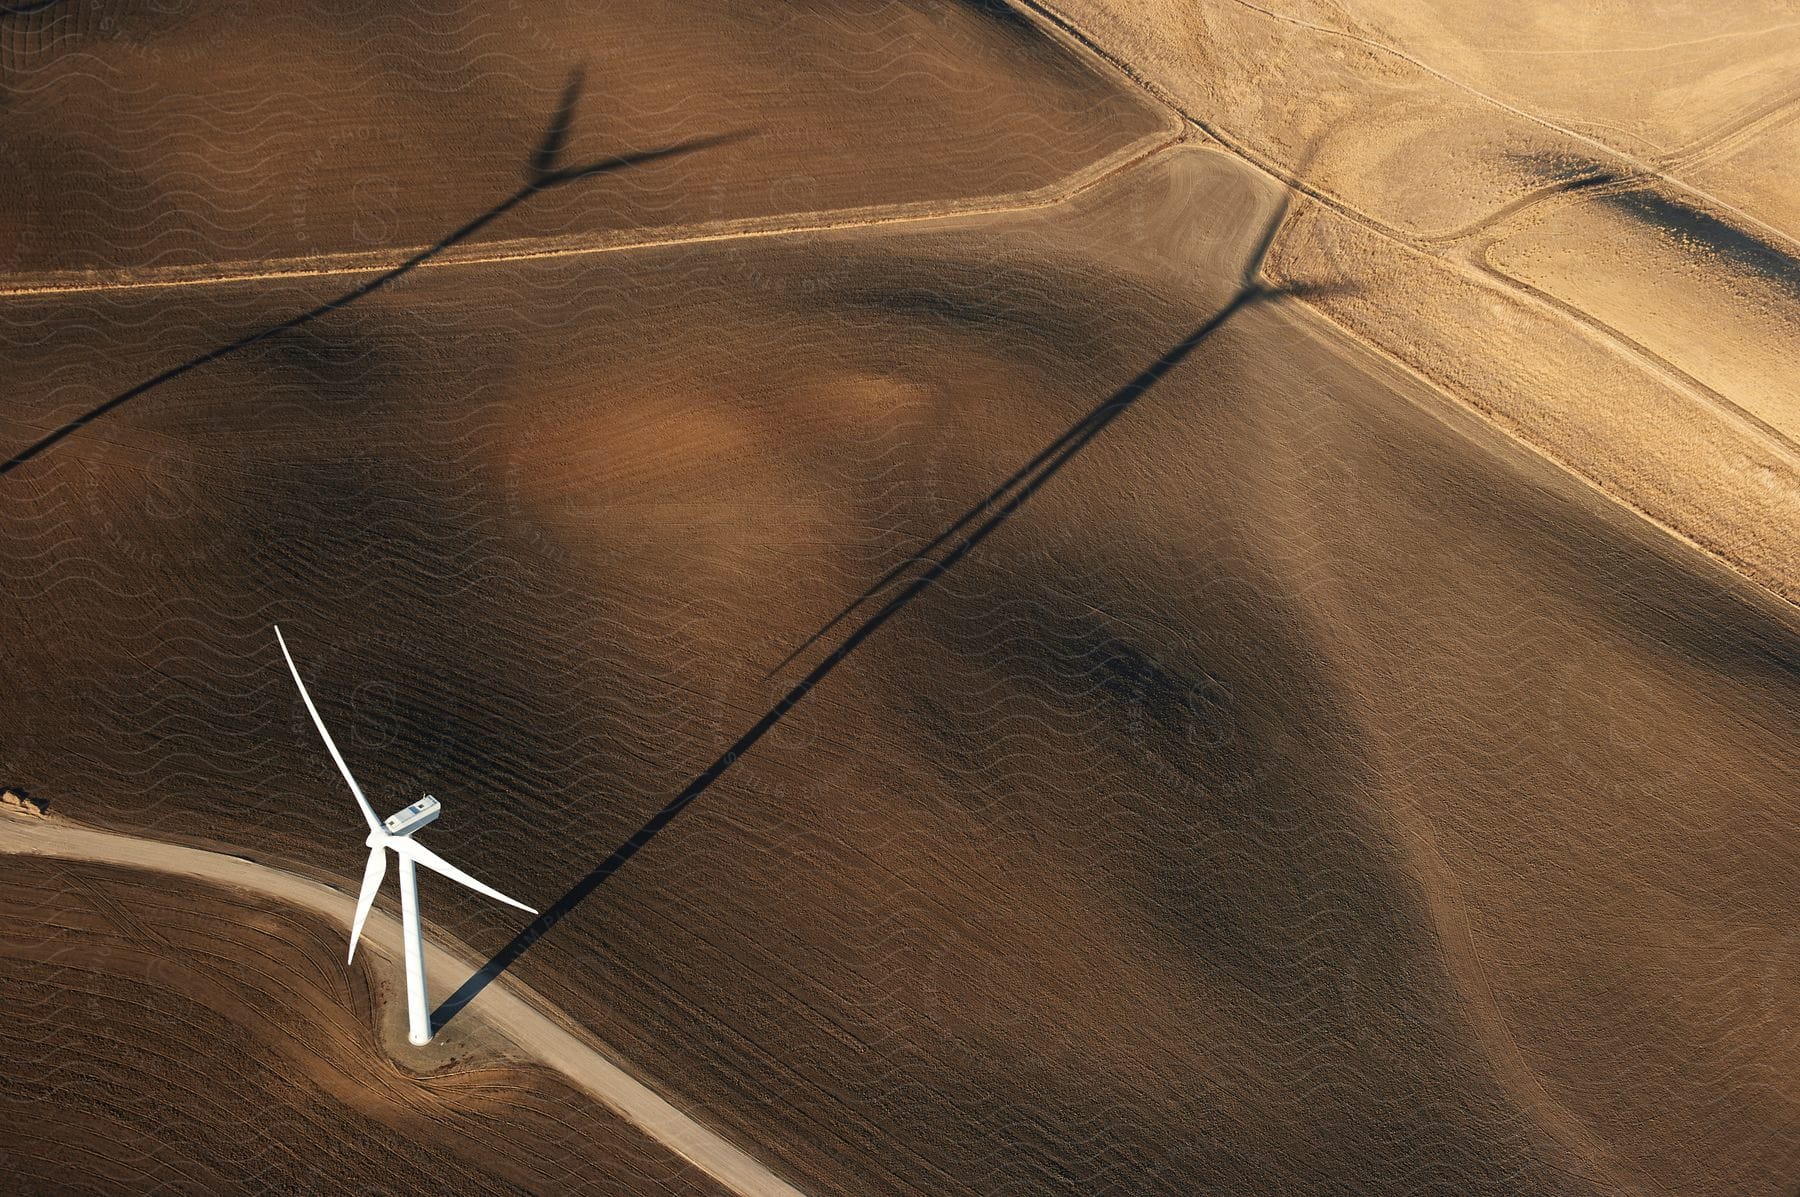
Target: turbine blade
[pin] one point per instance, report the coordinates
(367, 810)
(373, 872)
(438, 864)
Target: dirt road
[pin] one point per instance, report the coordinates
(501, 1003)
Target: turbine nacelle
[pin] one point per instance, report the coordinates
(413, 817)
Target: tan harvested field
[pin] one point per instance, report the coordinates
(1365, 764)
(1623, 151)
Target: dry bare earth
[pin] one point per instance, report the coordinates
(1561, 214)
(166, 1036)
(202, 136)
(1311, 790)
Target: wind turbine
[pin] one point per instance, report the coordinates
(395, 834)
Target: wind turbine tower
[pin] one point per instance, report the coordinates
(395, 834)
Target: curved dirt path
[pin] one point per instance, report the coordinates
(501, 1004)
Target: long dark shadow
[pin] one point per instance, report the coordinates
(541, 175)
(1053, 459)
(1248, 280)
(1633, 194)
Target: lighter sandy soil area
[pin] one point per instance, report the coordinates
(1559, 217)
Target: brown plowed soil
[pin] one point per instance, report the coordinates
(1329, 781)
(167, 1036)
(202, 133)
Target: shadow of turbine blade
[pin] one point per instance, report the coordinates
(547, 150)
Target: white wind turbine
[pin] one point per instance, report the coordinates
(396, 833)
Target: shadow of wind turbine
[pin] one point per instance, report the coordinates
(1250, 287)
(1060, 452)
(542, 175)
